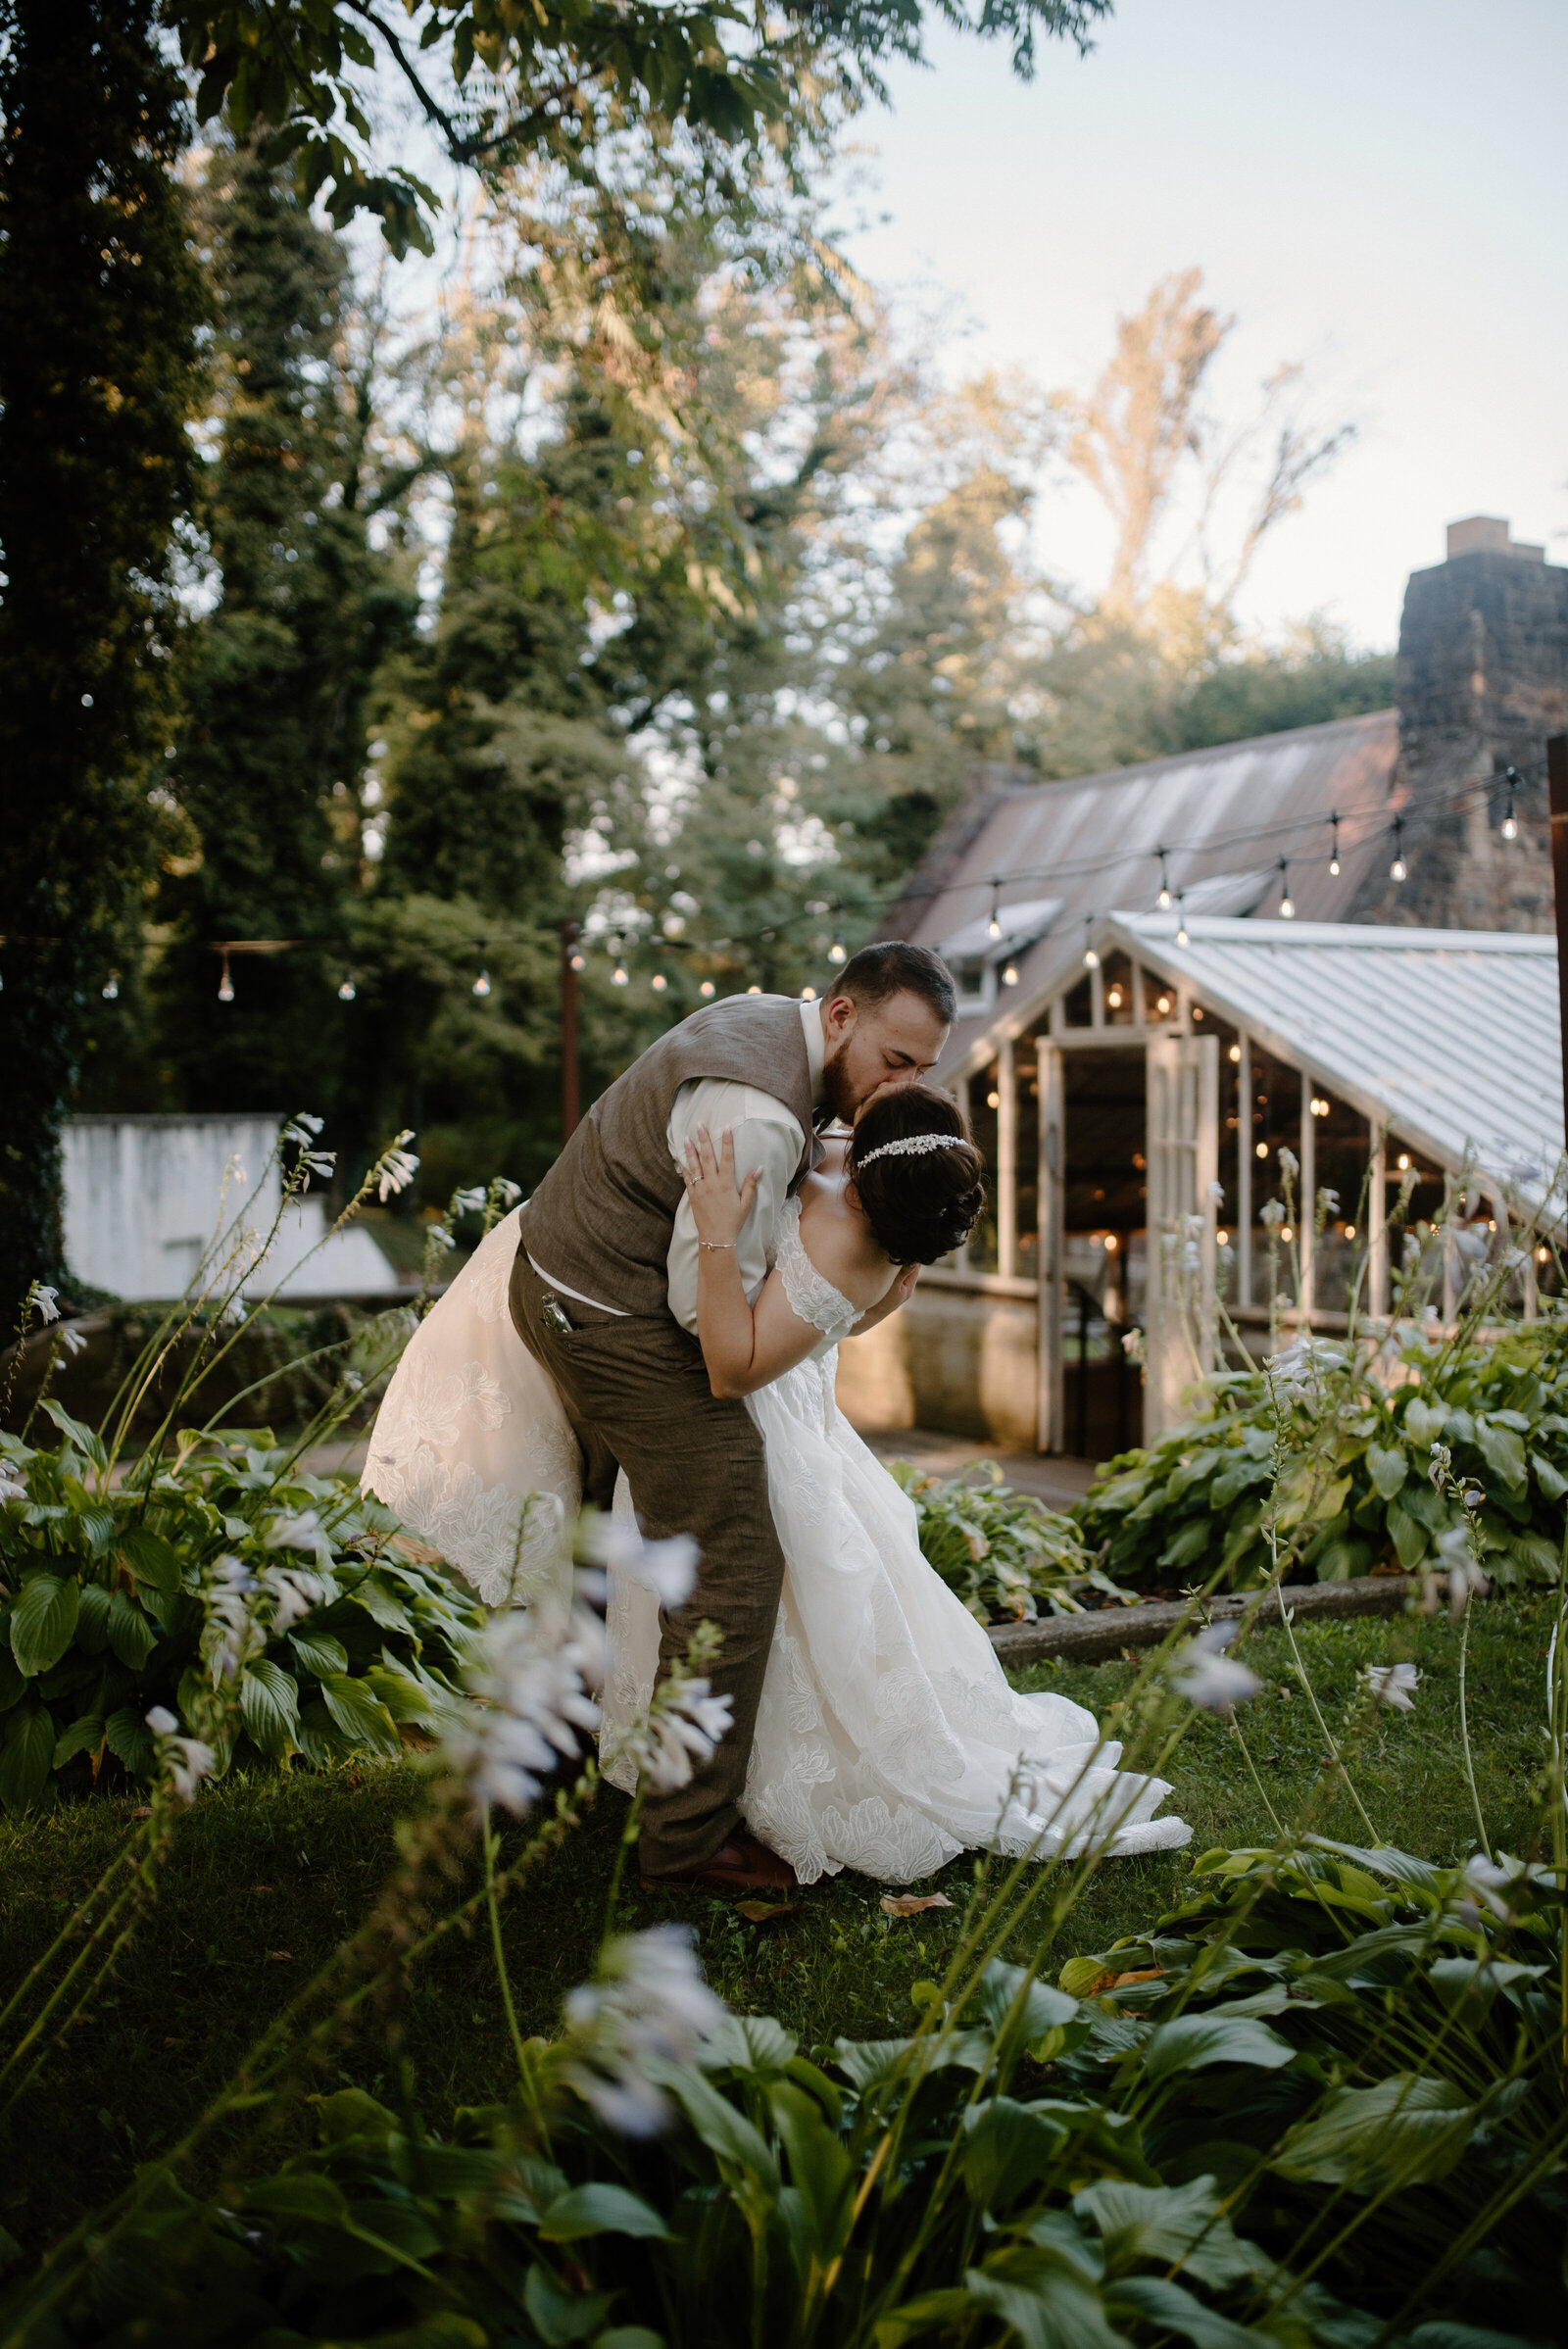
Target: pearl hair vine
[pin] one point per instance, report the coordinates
(912, 1146)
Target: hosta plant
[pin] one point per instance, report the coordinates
(1004, 1552)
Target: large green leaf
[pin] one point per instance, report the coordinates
(1173, 2309)
(1165, 2227)
(1388, 1469)
(129, 1740)
(1502, 1451)
(599, 2209)
(13, 1683)
(25, 1757)
(361, 1717)
(84, 1735)
(1192, 2042)
(131, 1637)
(150, 1558)
(81, 1437)
(1403, 2132)
(1008, 2149)
(319, 1652)
(1047, 2305)
(43, 1620)
(269, 1703)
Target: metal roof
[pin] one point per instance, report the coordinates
(1224, 815)
(1452, 1037)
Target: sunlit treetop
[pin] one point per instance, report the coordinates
(503, 82)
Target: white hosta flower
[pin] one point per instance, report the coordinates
(1196, 1226)
(1290, 1163)
(1192, 1257)
(71, 1339)
(1304, 1363)
(1271, 1214)
(1441, 1459)
(186, 1759)
(230, 1632)
(1465, 1577)
(1393, 1684)
(1205, 1676)
(647, 2001)
(45, 1301)
(1327, 1203)
(13, 1481)
(534, 1700)
(304, 1128)
(471, 1202)
(295, 1592)
(397, 1169)
(438, 1237)
(667, 1568)
(506, 1191)
(1216, 1191)
(302, 1529)
(681, 1734)
(1497, 1885)
(1133, 1344)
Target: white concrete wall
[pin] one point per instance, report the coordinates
(966, 1364)
(144, 1197)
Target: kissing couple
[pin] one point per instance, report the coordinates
(761, 1184)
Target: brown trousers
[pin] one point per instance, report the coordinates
(636, 1391)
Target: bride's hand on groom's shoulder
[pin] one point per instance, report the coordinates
(720, 1204)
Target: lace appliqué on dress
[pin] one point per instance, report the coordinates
(811, 1296)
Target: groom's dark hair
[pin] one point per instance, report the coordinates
(879, 972)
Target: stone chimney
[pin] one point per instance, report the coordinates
(1482, 682)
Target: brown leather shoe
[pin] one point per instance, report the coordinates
(742, 1864)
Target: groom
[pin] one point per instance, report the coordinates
(604, 1294)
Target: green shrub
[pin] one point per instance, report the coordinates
(1004, 1552)
(1355, 1493)
(224, 1561)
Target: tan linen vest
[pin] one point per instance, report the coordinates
(600, 1220)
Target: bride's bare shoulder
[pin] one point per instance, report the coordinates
(836, 1239)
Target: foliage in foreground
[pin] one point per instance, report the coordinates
(1004, 1552)
(1355, 1493)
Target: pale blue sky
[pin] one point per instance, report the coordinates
(1378, 187)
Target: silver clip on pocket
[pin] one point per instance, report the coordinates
(554, 1313)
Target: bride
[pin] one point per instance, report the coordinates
(886, 1739)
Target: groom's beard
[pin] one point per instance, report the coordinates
(839, 1102)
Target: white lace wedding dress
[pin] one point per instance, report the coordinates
(888, 1739)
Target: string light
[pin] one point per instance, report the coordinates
(1182, 938)
(1287, 901)
(1235, 1054)
(1333, 852)
(226, 984)
(754, 989)
(347, 992)
(705, 989)
(1510, 822)
(1009, 977)
(994, 926)
(579, 962)
(1090, 958)
(835, 952)
(482, 985)
(112, 988)
(658, 982)
(617, 977)
(807, 995)
(1163, 899)
(1396, 870)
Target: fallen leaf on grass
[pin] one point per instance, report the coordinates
(911, 1904)
(281, 1957)
(261, 1887)
(758, 1912)
(1121, 1981)
(143, 1810)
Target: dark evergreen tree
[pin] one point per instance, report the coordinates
(100, 300)
(276, 677)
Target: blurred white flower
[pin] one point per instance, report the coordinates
(471, 1202)
(1132, 1345)
(1464, 1575)
(1203, 1674)
(229, 1633)
(533, 1692)
(186, 1759)
(667, 1568)
(13, 1481)
(1192, 1257)
(680, 1734)
(71, 1339)
(506, 1191)
(1216, 1191)
(1393, 1684)
(647, 1999)
(1197, 1226)
(295, 1592)
(1306, 1362)
(1271, 1214)
(1498, 1883)
(1290, 1163)
(301, 1529)
(304, 1128)
(46, 1301)
(397, 1169)
(1328, 1202)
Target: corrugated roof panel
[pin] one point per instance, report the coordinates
(1452, 1035)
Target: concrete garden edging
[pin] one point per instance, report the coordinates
(1105, 1632)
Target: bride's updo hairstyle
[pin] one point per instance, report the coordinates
(916, 1174)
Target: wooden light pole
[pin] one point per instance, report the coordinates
(570, 933)
(1557, 800)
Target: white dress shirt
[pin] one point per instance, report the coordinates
(768, 1136)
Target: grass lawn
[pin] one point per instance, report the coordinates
(267, 1875)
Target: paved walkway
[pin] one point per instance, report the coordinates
(1057, 1482)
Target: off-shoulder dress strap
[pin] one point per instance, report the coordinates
(811, 1294)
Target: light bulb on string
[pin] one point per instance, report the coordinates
(1009, 977)
(835, 952)
(1333, 849)
(807, 995)
(1163, 899)
(1287, 901)
(1182, 938)
(482, 985)
(617, 977)
(1510, 822)
(112, 988)
(706, 990)
(579, 962)
(347, 991)
(658, 982)
(1397, 869)
(754, 989)
(1090, 958)
(994, 926)
(226, 984)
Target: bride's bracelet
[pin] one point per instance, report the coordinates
(715, 1244)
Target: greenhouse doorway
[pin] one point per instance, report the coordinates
(1103, 1251)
